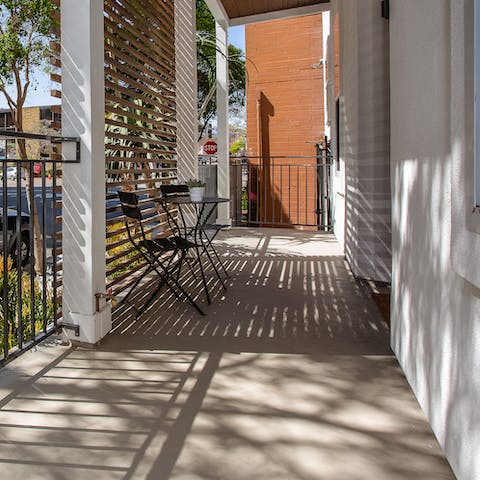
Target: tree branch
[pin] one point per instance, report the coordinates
(207, 100)
(18, 83)
(11, 103)
(27, 80)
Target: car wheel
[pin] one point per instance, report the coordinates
(24, 250)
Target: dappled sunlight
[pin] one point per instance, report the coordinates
(288, 376)
(308, 417)
(287, 292)
(422, 308)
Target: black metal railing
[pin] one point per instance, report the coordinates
(282, 191)
(30, 243)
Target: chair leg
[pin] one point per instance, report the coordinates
(202, 272)
(132, 288)
(205, 249)
(185, 293)
(192, 271)
(209, 245)
(216, 269)
(220, 261)
(150, 298)
(177, 284)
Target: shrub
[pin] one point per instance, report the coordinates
(12, 325)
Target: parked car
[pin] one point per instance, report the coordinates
(12, 173)
(13, 236)
(37, 168)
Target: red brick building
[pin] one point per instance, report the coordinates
(285, 114)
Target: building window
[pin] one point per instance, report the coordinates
(477, 101)
(45, 114)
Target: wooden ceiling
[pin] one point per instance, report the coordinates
(247, 8)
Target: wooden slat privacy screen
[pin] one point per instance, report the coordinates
(140, 117)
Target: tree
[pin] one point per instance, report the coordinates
(25, 28)
(206, 68)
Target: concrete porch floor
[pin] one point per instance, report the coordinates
(289, 376)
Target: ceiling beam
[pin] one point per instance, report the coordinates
(280, 14)
(219, 12)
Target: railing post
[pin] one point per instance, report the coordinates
(83, 115)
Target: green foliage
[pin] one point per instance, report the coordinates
(26, 306)
(206, 66)
(25, 28)
(244, 201)
(124, 252)
(128, 132)
(237, 146)
(205, 20)
(194, 182)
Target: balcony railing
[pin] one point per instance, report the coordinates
(30, 239)
(293, 191)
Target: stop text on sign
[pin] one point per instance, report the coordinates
(210, 148)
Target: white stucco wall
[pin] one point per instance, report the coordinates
(364, 140)
(338, 170)
(435, 312)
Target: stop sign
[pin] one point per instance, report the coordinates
(210, 147)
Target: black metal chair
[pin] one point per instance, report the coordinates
(182, 230)
(200, 230)
(165, 256)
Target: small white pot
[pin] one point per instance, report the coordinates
(196, 194)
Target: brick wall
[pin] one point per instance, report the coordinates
(285, 113)
(31, 119)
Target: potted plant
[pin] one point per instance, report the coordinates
(196, 188)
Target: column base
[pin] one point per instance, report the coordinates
(92, 327)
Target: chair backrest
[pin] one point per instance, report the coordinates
(133, 214)
(130, 198)
(173, 191)
(130, 208)
(180, 190)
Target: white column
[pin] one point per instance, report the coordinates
(83, 110)
(186, 89)
(223, 168)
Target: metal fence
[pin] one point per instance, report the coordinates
(282, 191)
(30, 240)
(293, 191)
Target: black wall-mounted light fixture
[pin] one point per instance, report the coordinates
(386, 9)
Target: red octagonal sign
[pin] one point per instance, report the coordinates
(210, 147)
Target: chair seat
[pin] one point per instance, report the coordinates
(182, 243)
(158, 245)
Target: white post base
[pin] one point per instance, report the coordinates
(92, 327)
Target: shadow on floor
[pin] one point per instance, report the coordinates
(289, 376)
(276, 302)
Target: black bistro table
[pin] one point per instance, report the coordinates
(193, 223)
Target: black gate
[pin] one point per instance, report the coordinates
(30, 239)
(282, 191)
